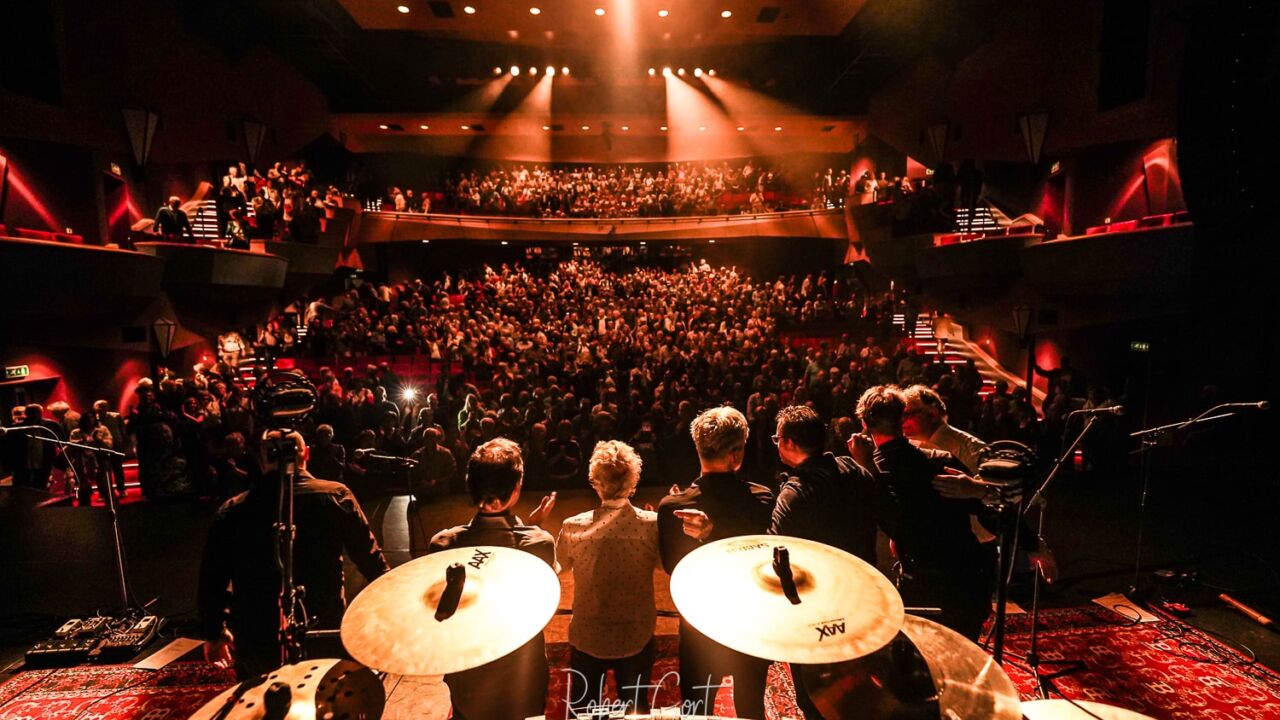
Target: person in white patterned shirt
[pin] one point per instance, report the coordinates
(612, 552)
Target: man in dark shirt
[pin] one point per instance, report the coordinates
(512, 687)
(825, 498)
(241, 624)
(942, 564)
(328, 458)
(171, 219)
(718, 505)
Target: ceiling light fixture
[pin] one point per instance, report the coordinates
(497, 70)
(425, 127)
(666, 72)
(741, 129)
(535, 11)
(653, 71)
(586, 127)
(546, 127)
(626, 128)
(599, 12)
(726, 13)
(551, 71)
(564, 71)
(697, 72)
(778, 129)
(515, 70)
(712, 72)
(469, 10)
(680, 72)
(663, 13)
(466, 127)
(663, 128)
(382, 127)
(702, 128)
(404, 9)
(533, 70)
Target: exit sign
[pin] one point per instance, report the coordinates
(1139, 346)
(16, 371)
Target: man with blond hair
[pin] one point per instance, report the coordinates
(612, 552)
(719, 504)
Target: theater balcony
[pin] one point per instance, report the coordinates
(308, 265)
(64, 279)
(1125, 262)
(211, 274)
(965, 261)
(385, 227)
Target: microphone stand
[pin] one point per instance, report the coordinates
(1044, 681)
(1148, 439)
(122, 579)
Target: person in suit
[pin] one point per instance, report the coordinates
(719, 504)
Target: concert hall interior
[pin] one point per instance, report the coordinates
(769, 359)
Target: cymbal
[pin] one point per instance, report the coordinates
(316, 689)
(1064, 710)
(506, 598)
(928, 671)
(842, 607)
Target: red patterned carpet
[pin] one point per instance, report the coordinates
(111, 692)
(1165, 670)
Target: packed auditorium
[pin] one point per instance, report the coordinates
(778, 360)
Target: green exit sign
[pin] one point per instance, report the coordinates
(16, 371)
(1139, 346)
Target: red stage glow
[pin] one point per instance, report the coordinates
(32, 200)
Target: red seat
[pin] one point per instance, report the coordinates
(34, 234)
(72, 239)
(4, 229)
(1123, 226)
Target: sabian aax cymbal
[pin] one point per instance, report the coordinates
(501, 598)
(928, 671)
(1066, 710)
(311, 690)
(835, 607)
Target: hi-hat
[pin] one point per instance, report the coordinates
(309, 690)
(451, 611)
(928, 671)
(1066, 710)
(809, 603)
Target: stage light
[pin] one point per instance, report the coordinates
(726, 13)
(778, 129)
(712, 72)
(663, 128)
(653, 71)
(466, 127)
(626, 128)
(533, 70)
(497, 71)
(425, 127)
(535, 11)
(504, 242)
(564, 71)
(469, 10)
(404, 9)
(551, 71)
(697, 72)
(663, 13)
(680, 72)
(741, 129)
(666, 72)
(515, 70)
(599, 11)
(382, 127)
(546, 127)
(408, 394)
(586, 127)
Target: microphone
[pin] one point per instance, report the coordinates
(1109, 410)
(1260, 405)
(6, 430)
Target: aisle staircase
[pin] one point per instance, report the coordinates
(959, 350)
(986, 218)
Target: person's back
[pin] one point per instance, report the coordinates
(612, 552)
(240, 551)
(512, 687)
(831, 499)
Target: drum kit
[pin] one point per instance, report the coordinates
(835, 618)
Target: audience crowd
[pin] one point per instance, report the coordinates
(678, 189)
(554, 360)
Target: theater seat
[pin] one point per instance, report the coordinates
(1123, 226)
(1097, 230)
(4, 230)
(72, 239)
